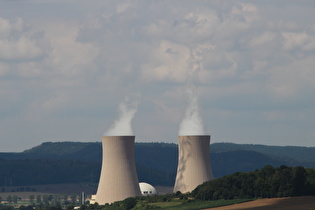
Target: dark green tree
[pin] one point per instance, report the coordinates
(45, 200)
(70, 207)
(9, 199)
(74, 198)
(6, 207)
(50, 197)
(129, 203)
(267, 182)
(267, 171)
(298, 180)
(32, 199)
(38, 199)
(25, 207)
(65, 199)
(15, 199)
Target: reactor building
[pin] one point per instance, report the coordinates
(194, 165)
(118, 179)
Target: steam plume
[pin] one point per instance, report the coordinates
(122, 125)
(192, 121)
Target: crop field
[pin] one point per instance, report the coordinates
(193, 204)
(288, 203)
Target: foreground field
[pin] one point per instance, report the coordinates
(288, 203)
(184, 205)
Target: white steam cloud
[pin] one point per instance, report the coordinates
(122, 125)
(192, 122)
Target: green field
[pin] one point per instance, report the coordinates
(188, 205)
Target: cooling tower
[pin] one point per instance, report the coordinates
(118, 178)
(194, 166)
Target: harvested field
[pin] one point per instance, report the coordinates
(288, 203)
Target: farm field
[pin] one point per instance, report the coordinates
(178, 204)
(288, 203)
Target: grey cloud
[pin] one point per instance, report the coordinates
(253, 58)
(15, 44)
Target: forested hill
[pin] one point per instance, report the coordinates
(268, 182)
(75, 150)
(156, 162)
(288, 155)
(283, 153)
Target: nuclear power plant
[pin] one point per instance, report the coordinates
(194, 165)
(118, 179)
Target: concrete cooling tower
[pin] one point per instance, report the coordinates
(194, 166)
(118, 178)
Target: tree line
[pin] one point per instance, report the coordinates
(268, 182)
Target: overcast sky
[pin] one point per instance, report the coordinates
(65, 66)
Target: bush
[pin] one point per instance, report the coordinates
(129, 203)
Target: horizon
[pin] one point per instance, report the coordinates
(148, 142)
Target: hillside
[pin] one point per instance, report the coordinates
(283, 153)
(156, 162)
(268, 182)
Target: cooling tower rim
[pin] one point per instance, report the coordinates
(194, 135)
(120, 136)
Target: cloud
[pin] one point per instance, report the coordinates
(71, 58)
(22, 49)
(10, 28)
(3, 69)
(304, 41)
(15, 45)
(68, 64)
(263, 39)
(293, 81)
(168, 62)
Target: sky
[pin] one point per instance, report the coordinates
(67, 66)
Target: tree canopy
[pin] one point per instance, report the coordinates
(265, 183)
